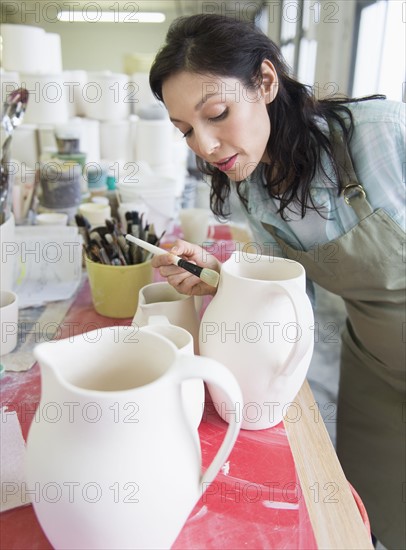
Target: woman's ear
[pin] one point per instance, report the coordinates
(270, 83)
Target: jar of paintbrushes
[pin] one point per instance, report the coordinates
(116, 268)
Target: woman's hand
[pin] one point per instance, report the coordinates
(183, 281)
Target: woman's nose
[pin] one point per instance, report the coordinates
(207, 144)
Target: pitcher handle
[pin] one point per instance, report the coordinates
(214, 372)
(303, 312)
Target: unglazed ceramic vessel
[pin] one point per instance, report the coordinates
(193, 394)
(111, 453)
(260, 325)
(162, 299)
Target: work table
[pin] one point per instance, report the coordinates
(280, 488)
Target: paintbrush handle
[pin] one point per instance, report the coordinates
(192, 268)
(207, 275)
(147, 246)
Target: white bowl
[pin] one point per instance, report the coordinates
(56, 218)
(95, 213)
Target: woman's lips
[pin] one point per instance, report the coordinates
(226, 164)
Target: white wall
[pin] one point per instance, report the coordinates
(102, 46)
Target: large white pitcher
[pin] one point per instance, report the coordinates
(260, 325)
(113, 460)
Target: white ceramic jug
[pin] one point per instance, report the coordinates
(193, 394)
(162, 299)
(260, 325)
(112, 458)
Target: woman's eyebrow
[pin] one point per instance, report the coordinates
(205, 98)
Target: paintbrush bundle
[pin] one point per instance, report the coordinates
(108, 245)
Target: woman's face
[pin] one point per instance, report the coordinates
(223, 122)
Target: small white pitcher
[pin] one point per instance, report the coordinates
(193, 394)
(180, 310)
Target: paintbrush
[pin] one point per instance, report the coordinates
(83, 227)
(208, 276)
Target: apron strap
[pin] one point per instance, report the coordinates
(355, 196)
(353, 192)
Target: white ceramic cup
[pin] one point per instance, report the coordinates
(100, 200)
(95, 213)
(8, 321)
(195, 224)
(8, 253)
(57, 218)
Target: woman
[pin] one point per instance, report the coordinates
(321, 182)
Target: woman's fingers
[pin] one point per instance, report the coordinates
(191, 285)
(183, 281)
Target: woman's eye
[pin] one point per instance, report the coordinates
(211, 119)
(219, 117)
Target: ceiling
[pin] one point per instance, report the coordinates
(244, 9)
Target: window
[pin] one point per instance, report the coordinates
(299, 51)
(379, 64)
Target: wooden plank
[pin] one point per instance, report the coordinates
(333, 512)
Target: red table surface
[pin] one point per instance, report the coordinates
(255, 502)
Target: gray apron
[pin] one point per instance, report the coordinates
(366, 266)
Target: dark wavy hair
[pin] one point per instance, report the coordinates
(225, 47)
